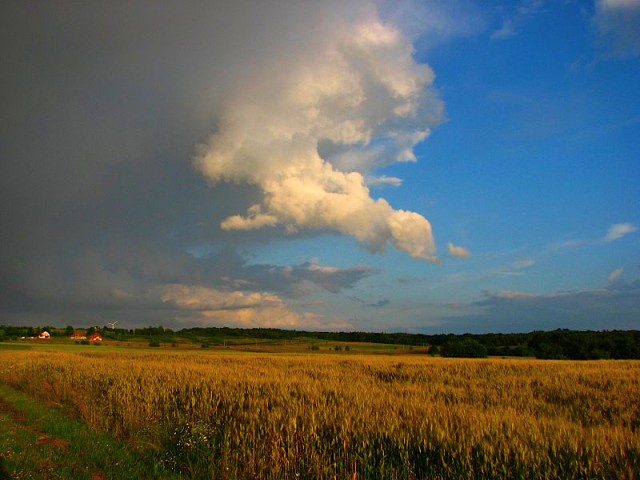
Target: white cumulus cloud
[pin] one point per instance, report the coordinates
(307, 132)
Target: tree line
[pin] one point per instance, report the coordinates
(555, 344)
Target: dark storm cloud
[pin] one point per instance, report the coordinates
(230, 269)
(101, 105)
(379, 303)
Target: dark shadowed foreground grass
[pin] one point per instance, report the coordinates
(41, 442)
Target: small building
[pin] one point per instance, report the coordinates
(44, 335)
(96, 337)
(78, 336)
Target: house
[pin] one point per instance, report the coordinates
(44, 335)
(78, 336)
(96, 337)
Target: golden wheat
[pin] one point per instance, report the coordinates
(246, 415)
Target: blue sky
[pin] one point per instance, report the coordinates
(414, 166)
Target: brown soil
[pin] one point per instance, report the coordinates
(53, 442)
(17, 415)
(20, 418)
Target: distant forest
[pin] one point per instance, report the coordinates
(556, 344)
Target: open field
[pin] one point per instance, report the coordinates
(212, 413)
(234, 345)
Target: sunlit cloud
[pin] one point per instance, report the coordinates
(455, 251)
(360, 87)
(203, 305)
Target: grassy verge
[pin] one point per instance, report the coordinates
(41, 442)
(14, 346)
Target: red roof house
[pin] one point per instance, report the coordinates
(44, 335)
(96, 337)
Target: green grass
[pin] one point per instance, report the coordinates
(173, 343)
(40, 441)
(14, 346)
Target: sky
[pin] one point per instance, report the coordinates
(412, 166)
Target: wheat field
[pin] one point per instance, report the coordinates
(233, 415)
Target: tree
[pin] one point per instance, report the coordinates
(468, 348)
(550, 351)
